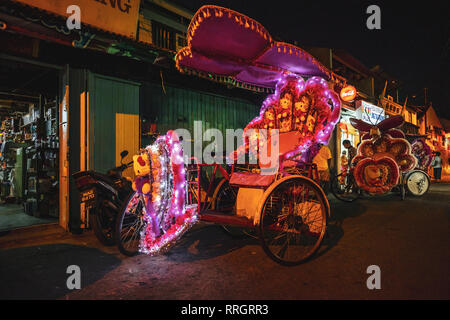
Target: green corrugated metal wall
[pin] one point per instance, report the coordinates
(179, 108)
(108, 96)
(176, 108)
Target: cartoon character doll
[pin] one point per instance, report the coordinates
(269, 119)
(141, 168)
(310, 124)
(156, 169)
(301, 107)
(285, 111)
(253, 143)
(143, 185)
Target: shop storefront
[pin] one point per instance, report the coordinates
(29, 139)
(45, 132)
(345, 131)
(364, 111)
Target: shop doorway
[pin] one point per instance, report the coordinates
(29, 144)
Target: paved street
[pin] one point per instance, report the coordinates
(409, 240)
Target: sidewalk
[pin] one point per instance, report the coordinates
(445, 179)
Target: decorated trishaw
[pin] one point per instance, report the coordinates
(281, 200)
(385, 160)
(418, 181)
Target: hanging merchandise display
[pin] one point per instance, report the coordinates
(29, 158)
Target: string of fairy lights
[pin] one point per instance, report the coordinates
(167, 217)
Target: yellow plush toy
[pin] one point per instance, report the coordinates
(141, 168)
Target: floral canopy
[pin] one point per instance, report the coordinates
(228, 44)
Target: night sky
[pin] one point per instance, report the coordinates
(413, 44)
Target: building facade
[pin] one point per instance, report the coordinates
(435, 135)
(113, 89)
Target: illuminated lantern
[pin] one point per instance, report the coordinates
(348, 93)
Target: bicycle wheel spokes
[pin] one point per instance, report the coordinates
(344, 188)
(131, 224)
(293, 221)
(225, 198)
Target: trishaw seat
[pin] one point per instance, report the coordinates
(251, 180)
(286, 143)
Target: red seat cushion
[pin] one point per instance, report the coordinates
(249, 179)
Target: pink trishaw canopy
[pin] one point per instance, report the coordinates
(222, 42)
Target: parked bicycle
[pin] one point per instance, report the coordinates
(344, 187)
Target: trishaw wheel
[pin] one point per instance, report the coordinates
(224, 197)
(344, 189)
(417, 183)
(293, 220)
(129, 225)
(224, 201)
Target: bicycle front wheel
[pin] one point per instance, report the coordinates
(344, 189)
(224, 201)
(130, 224)
(293, 220)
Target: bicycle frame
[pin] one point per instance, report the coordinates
(310, 168)
(199, 167)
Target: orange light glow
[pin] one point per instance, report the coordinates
(348, 93)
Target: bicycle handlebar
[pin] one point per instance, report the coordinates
(123, 166)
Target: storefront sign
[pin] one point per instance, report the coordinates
(348, 93)
(369, 113)
(117, 16)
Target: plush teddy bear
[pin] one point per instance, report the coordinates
(310, 124)
(301, 107)
(142, 185)
(285, 111)
(141, 168)
(269, 119)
